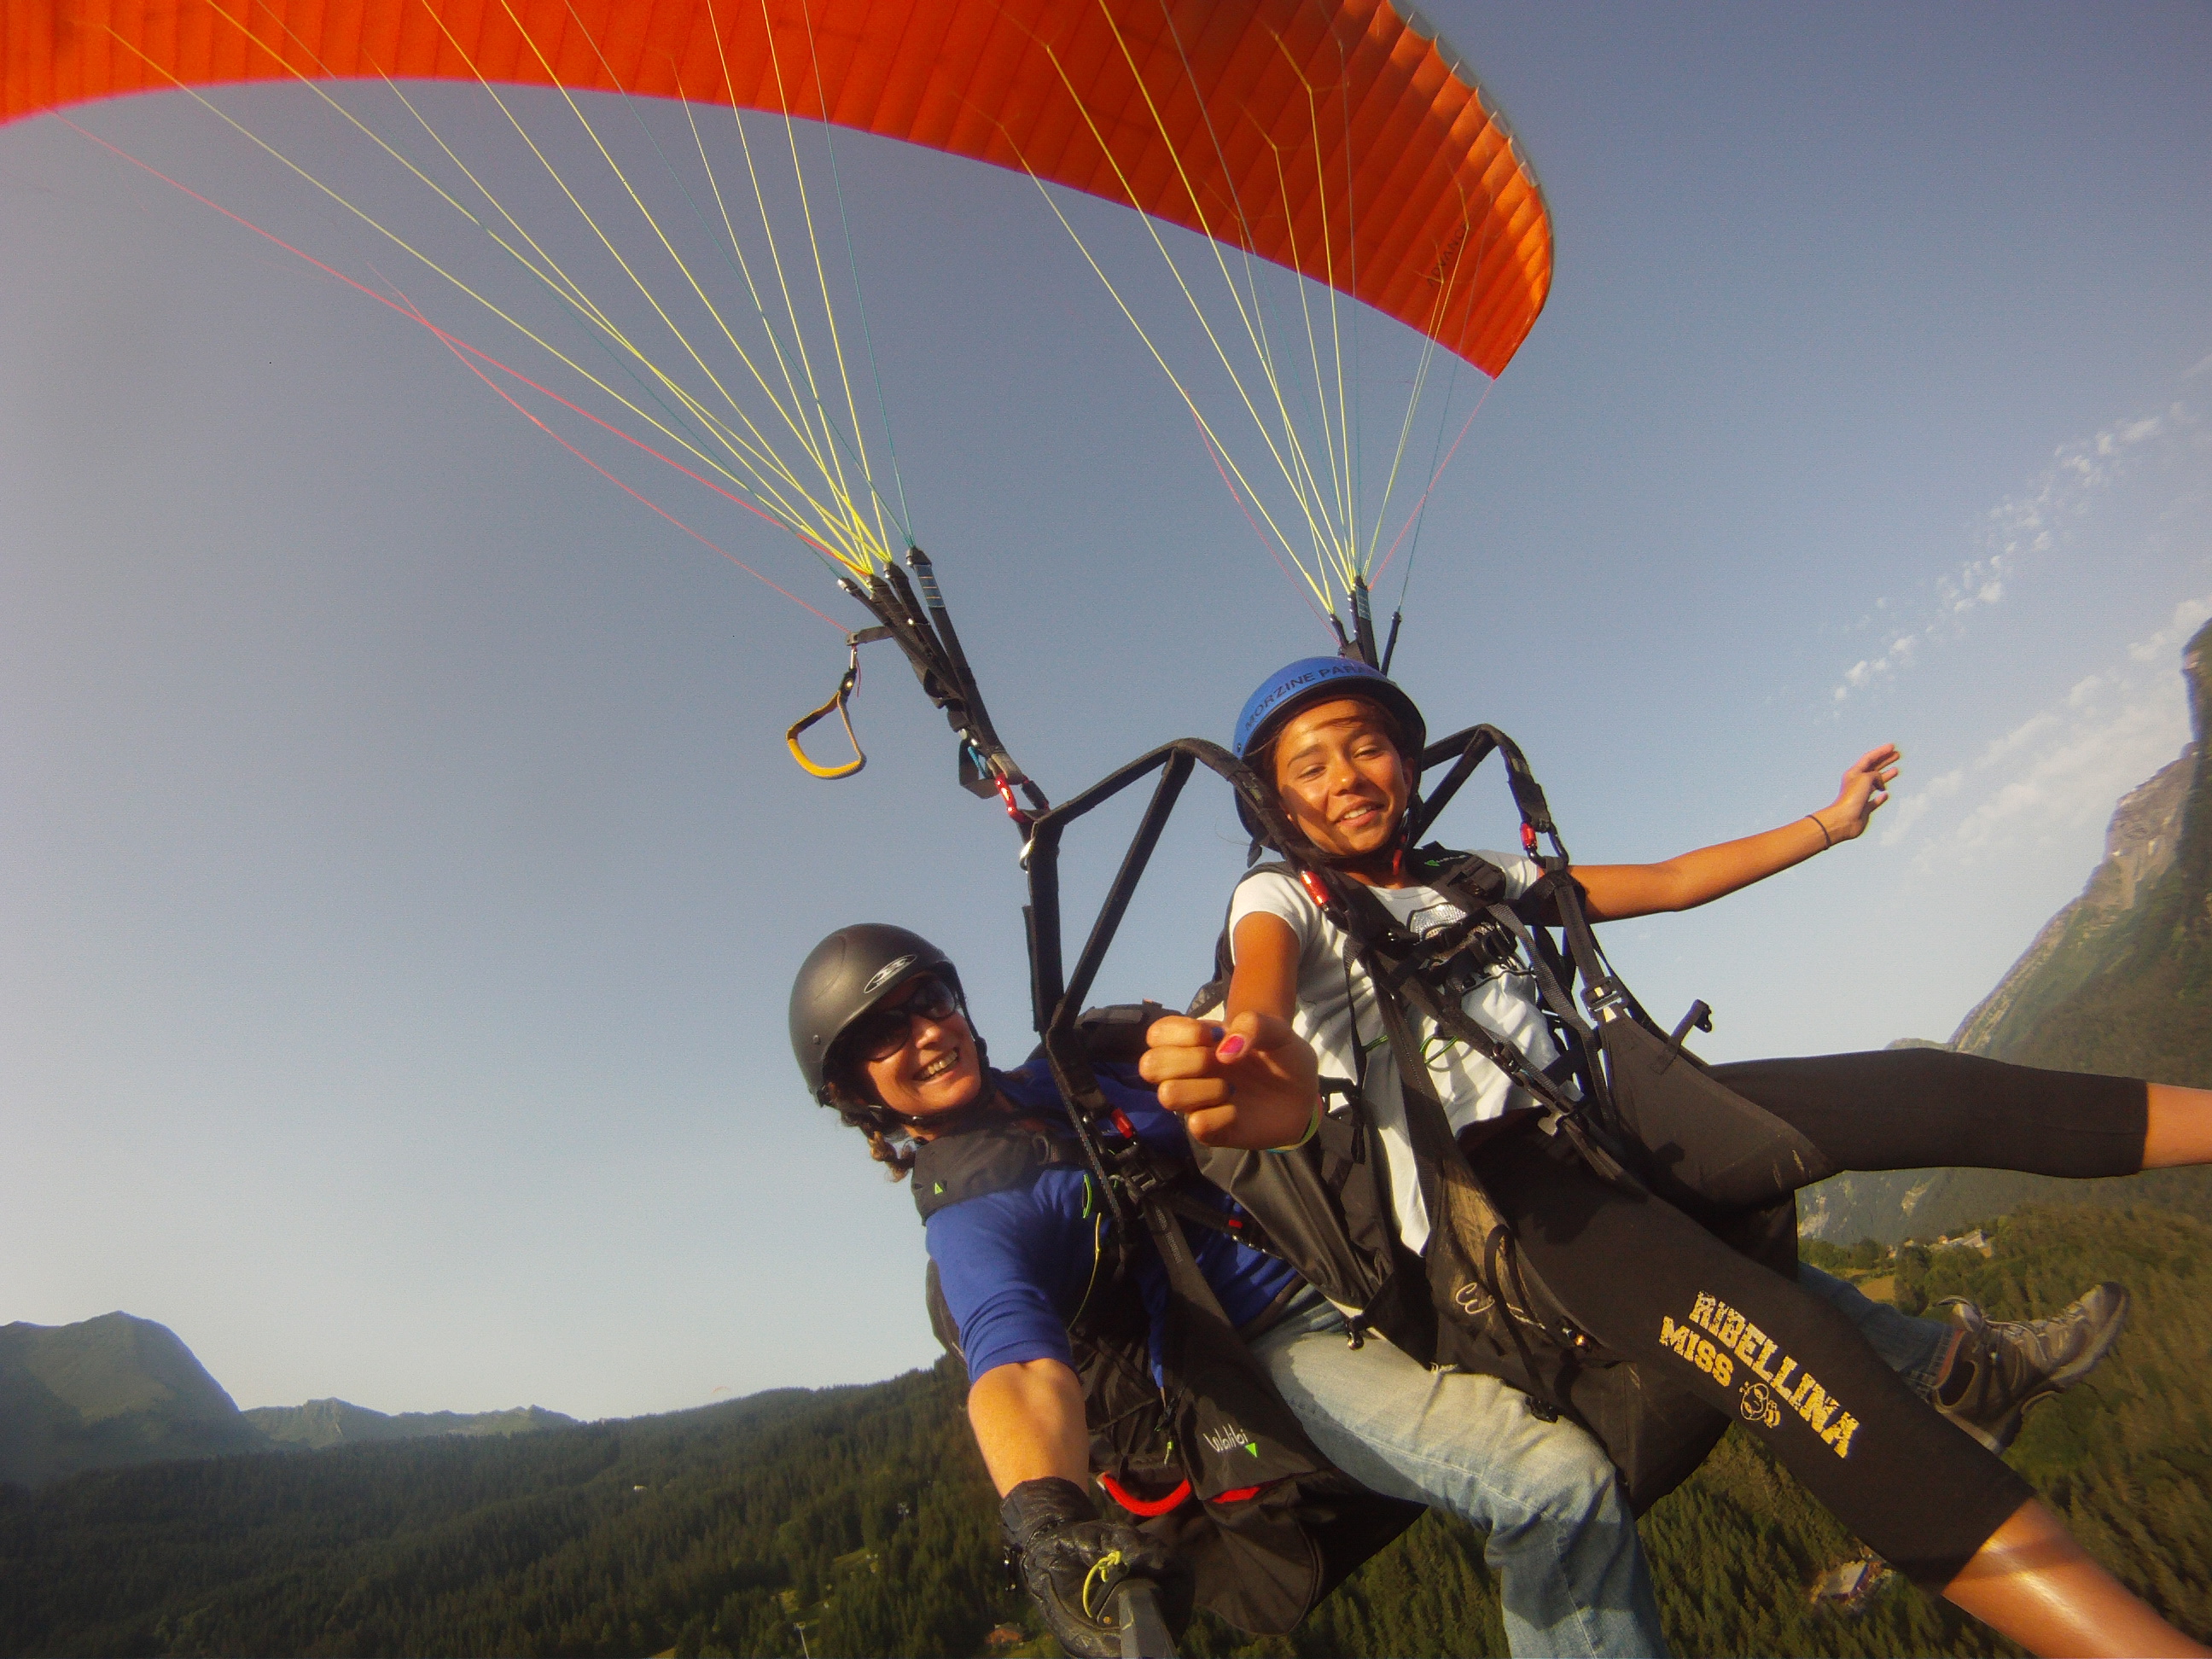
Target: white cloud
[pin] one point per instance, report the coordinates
(1901, 817)
(2188, 617)
(2026, 528)
(2021, 735)
(2065, 765)
(2078, 779)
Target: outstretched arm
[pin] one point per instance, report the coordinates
(1613, 892)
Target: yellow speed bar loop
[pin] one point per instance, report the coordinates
(839, 704)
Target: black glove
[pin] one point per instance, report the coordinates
(1072, 1563)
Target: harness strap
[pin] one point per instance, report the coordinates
(1466, 1232)
(1393, 959)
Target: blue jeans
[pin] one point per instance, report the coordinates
(1914, 1348)
(1561, 1541)
(1571, 1573)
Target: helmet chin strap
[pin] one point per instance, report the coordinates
(959, 1118)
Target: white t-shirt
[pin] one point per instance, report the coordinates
(1470, 1087)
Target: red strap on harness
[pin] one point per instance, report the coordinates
(1151, 1506)
(1145, 1506)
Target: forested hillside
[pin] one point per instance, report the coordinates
(862, 1513)
(120, 1389)
(321, 1423)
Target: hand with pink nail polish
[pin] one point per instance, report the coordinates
(1252, 1083)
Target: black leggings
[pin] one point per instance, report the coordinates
(1652, 1285)
(1912, 1109)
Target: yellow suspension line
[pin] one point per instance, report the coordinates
(1437, 316)
(401, 242)
(814, 247)
(759, 457)
(1198, 207)
(1420, 386)
(756, 452)
(584, 213)
(1174, 380)
(811, 406)
(762, 488)
(833, 471)
(1332, 554)
(1205, 323)
(1336, 438)
(1250, 302)
(752, 287)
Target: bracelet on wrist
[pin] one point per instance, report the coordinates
(1826, 839)
(1313, 1129)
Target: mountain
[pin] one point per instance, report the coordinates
(2097, 934)
(118, 1390)
(114, 1390)
(322, 1423)
(2120, 980)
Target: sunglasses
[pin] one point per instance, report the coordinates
(882, 1032)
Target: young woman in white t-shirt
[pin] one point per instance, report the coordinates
(1643, 1280)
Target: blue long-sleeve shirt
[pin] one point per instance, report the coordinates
(1016, 1265)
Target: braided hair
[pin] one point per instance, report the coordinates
(889, 1142)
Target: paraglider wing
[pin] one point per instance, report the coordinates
(1197, 111)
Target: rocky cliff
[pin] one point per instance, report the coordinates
(2126, 984)
(2140, 847)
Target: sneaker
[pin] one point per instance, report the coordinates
(2010, 1366)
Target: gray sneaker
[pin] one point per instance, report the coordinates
(2012, 1364)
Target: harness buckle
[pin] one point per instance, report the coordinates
(1607, 999)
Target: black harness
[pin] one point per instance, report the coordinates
(1213, 1463)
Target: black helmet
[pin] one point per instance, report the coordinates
(844, 976)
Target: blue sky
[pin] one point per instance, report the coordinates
(405, 872)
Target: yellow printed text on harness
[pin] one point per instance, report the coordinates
(1776, 1380)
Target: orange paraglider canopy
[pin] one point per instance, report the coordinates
(1341, 138)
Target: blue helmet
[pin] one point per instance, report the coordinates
(1318, 679)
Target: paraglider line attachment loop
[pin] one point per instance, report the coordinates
(838, 704)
